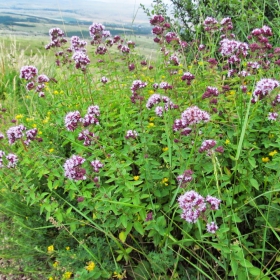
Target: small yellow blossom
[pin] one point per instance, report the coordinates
(163, 77)
(249, 93)
(227, 142)
(119, 276)
(271, 135)
(232, 92)
(200, 63)
(49, 113)
(165, 149)
(180, 72)
(151, 91)
(50, 249)
(136, 178)
(55, 264)
(265, 159)
(46, 120)
(27, 96)
(55, 92)
(34, 125)
(40, 132)
(67, 248)
(20, 116)
(273, 153)
(90, 266)
(61, 92)
(51, 150)
(144, 68)
(151, 125)
(164, 181)
(67, 275)
(50, 278)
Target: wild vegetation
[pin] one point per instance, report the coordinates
(115, 164)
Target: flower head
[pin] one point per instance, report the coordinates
(28, 72)
(73, 170)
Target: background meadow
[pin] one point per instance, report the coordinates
(139, 156)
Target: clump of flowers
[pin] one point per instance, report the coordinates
(137, 85)
(191, 116)
(131, 134)
(263, 88)
(207, 145)
(157, 99)
(97, 165)
(187, 76)
(72, 119)
(29, 73)
(185, 178)
(86, 136)
(73, 170)
(81, 59)
(194, 206)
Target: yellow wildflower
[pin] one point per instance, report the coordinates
(227, 142)
(61, 92)
(265, 159)
(151, 125)
(55, 264)
(20, 116)
(180, 72)
(40, 132)
(200, 63)
(67, 275)
(90, 266)
(51, 150)
(249, 93)
(34, 125)
(163, 77)
(151, 91)
(67, 248)
(271, 135)
(119, 276)
(273, 153)
(55, 92)
(50, 278)
(50, 249)
(165, 149)
(232, 92)
(46, 120)
(136, 178)
(164, 181)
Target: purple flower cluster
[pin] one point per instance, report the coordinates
(210, 24)
(96, 32)
(77, 44)
(97, 165)
(81, 59)
(73, 170)
(272, 116)
(187, 76)
(131, 134)
(192, 115)
(104, 80)
(15, 132)
(30, 73)
(210, 91)
(157, 99)
(185, 178)
(263, 88)
(57, 38)
(233, 49)
(87, 136)
(136, 86)
(194, 207)
(207, 145)
(72, 120)
(11, 158)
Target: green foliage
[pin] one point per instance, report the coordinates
(123, 219)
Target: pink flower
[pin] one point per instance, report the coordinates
(131, 134)
(72, 119)
(73, 170)
(97, 165)
(28, 72)
(211, 227)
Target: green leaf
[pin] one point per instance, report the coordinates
(138, 226)
(254, 183)
(122, 236)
